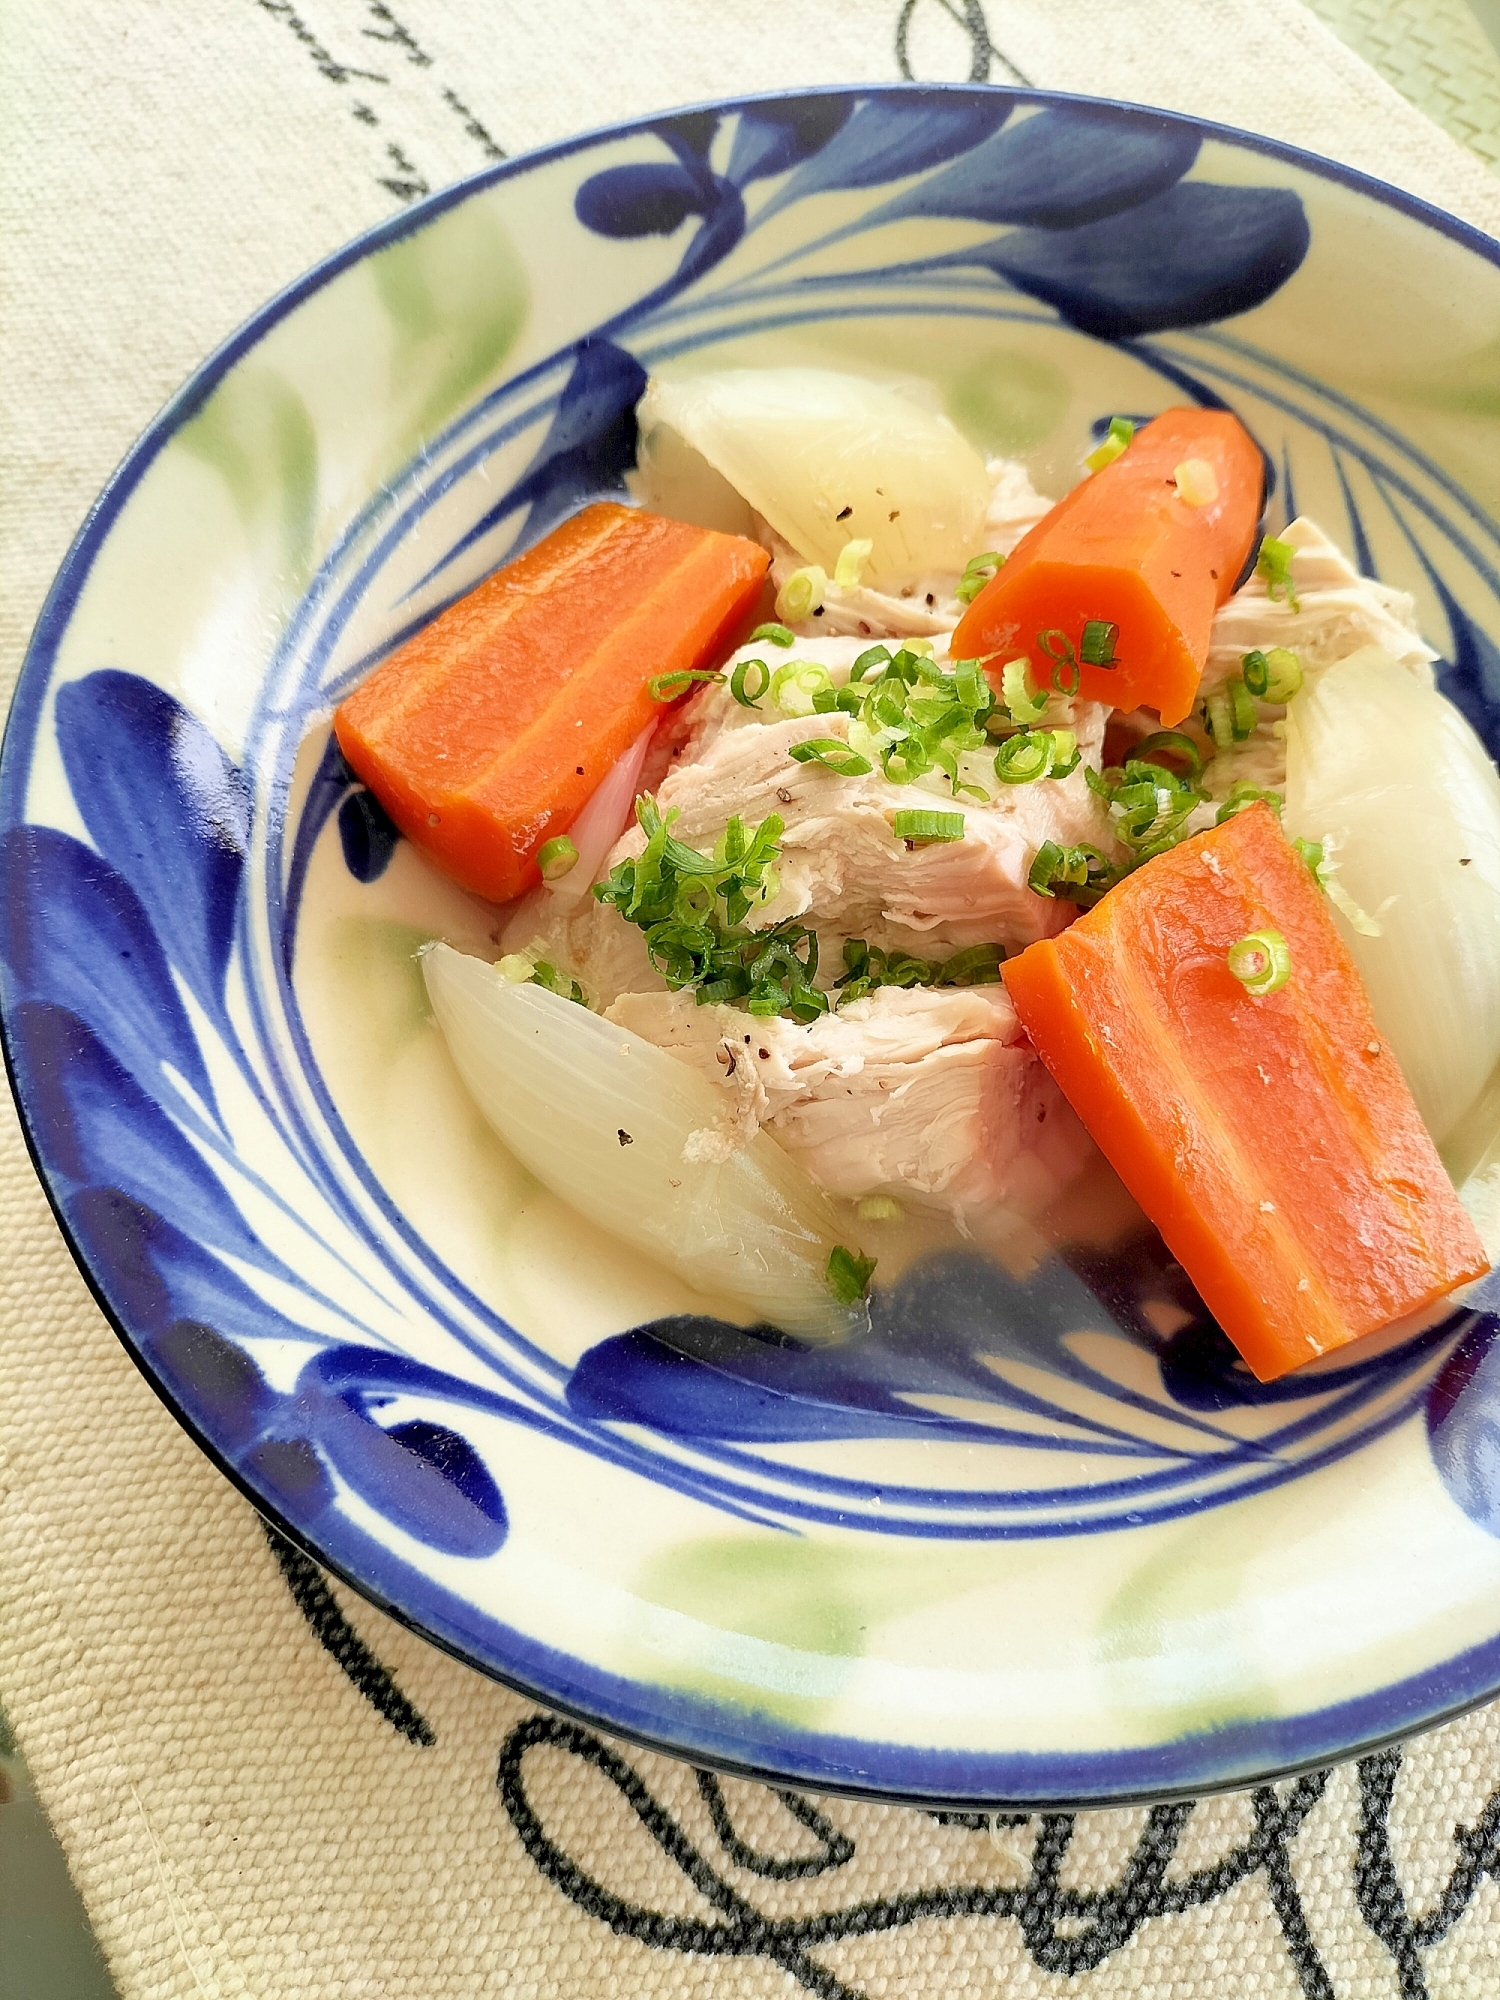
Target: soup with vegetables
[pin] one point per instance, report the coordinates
(878, 844)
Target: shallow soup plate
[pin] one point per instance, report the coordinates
(1033, 1539)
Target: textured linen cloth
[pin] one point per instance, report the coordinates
(264, 1786)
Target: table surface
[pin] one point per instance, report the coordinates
(1444, 57)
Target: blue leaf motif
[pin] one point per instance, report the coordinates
(367, 835)
(772, 137)
(1058, 169)
(589, 447)
(1194, 254)
(935, 1334)
(645, 198)
(74, 932)
(690, 134)
(94, 1125)
(884, 141)
(1471, 679)
(423, 1475)
(215, 1382)
(159, 796)
(1463, 1423)
(153, 1274)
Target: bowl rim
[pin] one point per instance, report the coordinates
(20, 724)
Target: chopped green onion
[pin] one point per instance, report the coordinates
(867, 662)
(1065, 753)
(978, 571)
(1311, 852)
(1242, 708)
(1067, 868)
(1024, 758)
(1025, 703)
(850, 566)
(849, 1274)
(1097, 646)
(795, 687)
(975, 965)
(1274, 566)
(1273, 676)
(802, 594)
(1197, 482)
(667, 687)
(833, 754)
(920, 648)
(1059, 649)
(739, 681)
(904, 762)
(921, 827)
(877, 1208)
(772, 635)
(515, 968)
(1120, 432)
(556, 857)
(1171, 743)
(1230, 714)
(1262, 962)
(1245, 794)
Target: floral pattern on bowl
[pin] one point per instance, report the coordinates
(1030, 1541)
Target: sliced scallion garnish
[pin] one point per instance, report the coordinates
(1025, 702)
(850, 566)
(849, 1274)
(978, 571)
(740, 686)
(1261, 962)
(1197, 482)
(833, 754)
(919, 827)
(1115, 440)
(1097, 646)
(556, 858)
(667, 687)
(1274, 566)
(1275, 675)
(772, 635)
(802, 594)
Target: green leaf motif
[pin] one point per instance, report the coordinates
(456, 296)
(256, 432)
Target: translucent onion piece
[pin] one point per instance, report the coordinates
(1390, 769)
(593, 833)
(604, 1120)
(828, 459)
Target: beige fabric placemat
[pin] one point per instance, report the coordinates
(264, 1787)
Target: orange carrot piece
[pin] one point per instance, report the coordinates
(1272, 1141)
(487, 733)
(1124, 547)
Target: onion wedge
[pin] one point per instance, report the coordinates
(632, 1140)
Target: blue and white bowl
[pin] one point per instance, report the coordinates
(1029, 1542)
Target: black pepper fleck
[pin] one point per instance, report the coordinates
(784, 795)
(843, 514)
(623, 1136)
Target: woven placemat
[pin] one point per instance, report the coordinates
(263, 1786)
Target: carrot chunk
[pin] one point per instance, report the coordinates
(1132, 549)
(1272, 1140)
(488, 731)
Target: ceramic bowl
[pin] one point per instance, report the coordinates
(1029, 1542)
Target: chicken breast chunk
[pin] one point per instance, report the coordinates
(931, 1095)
